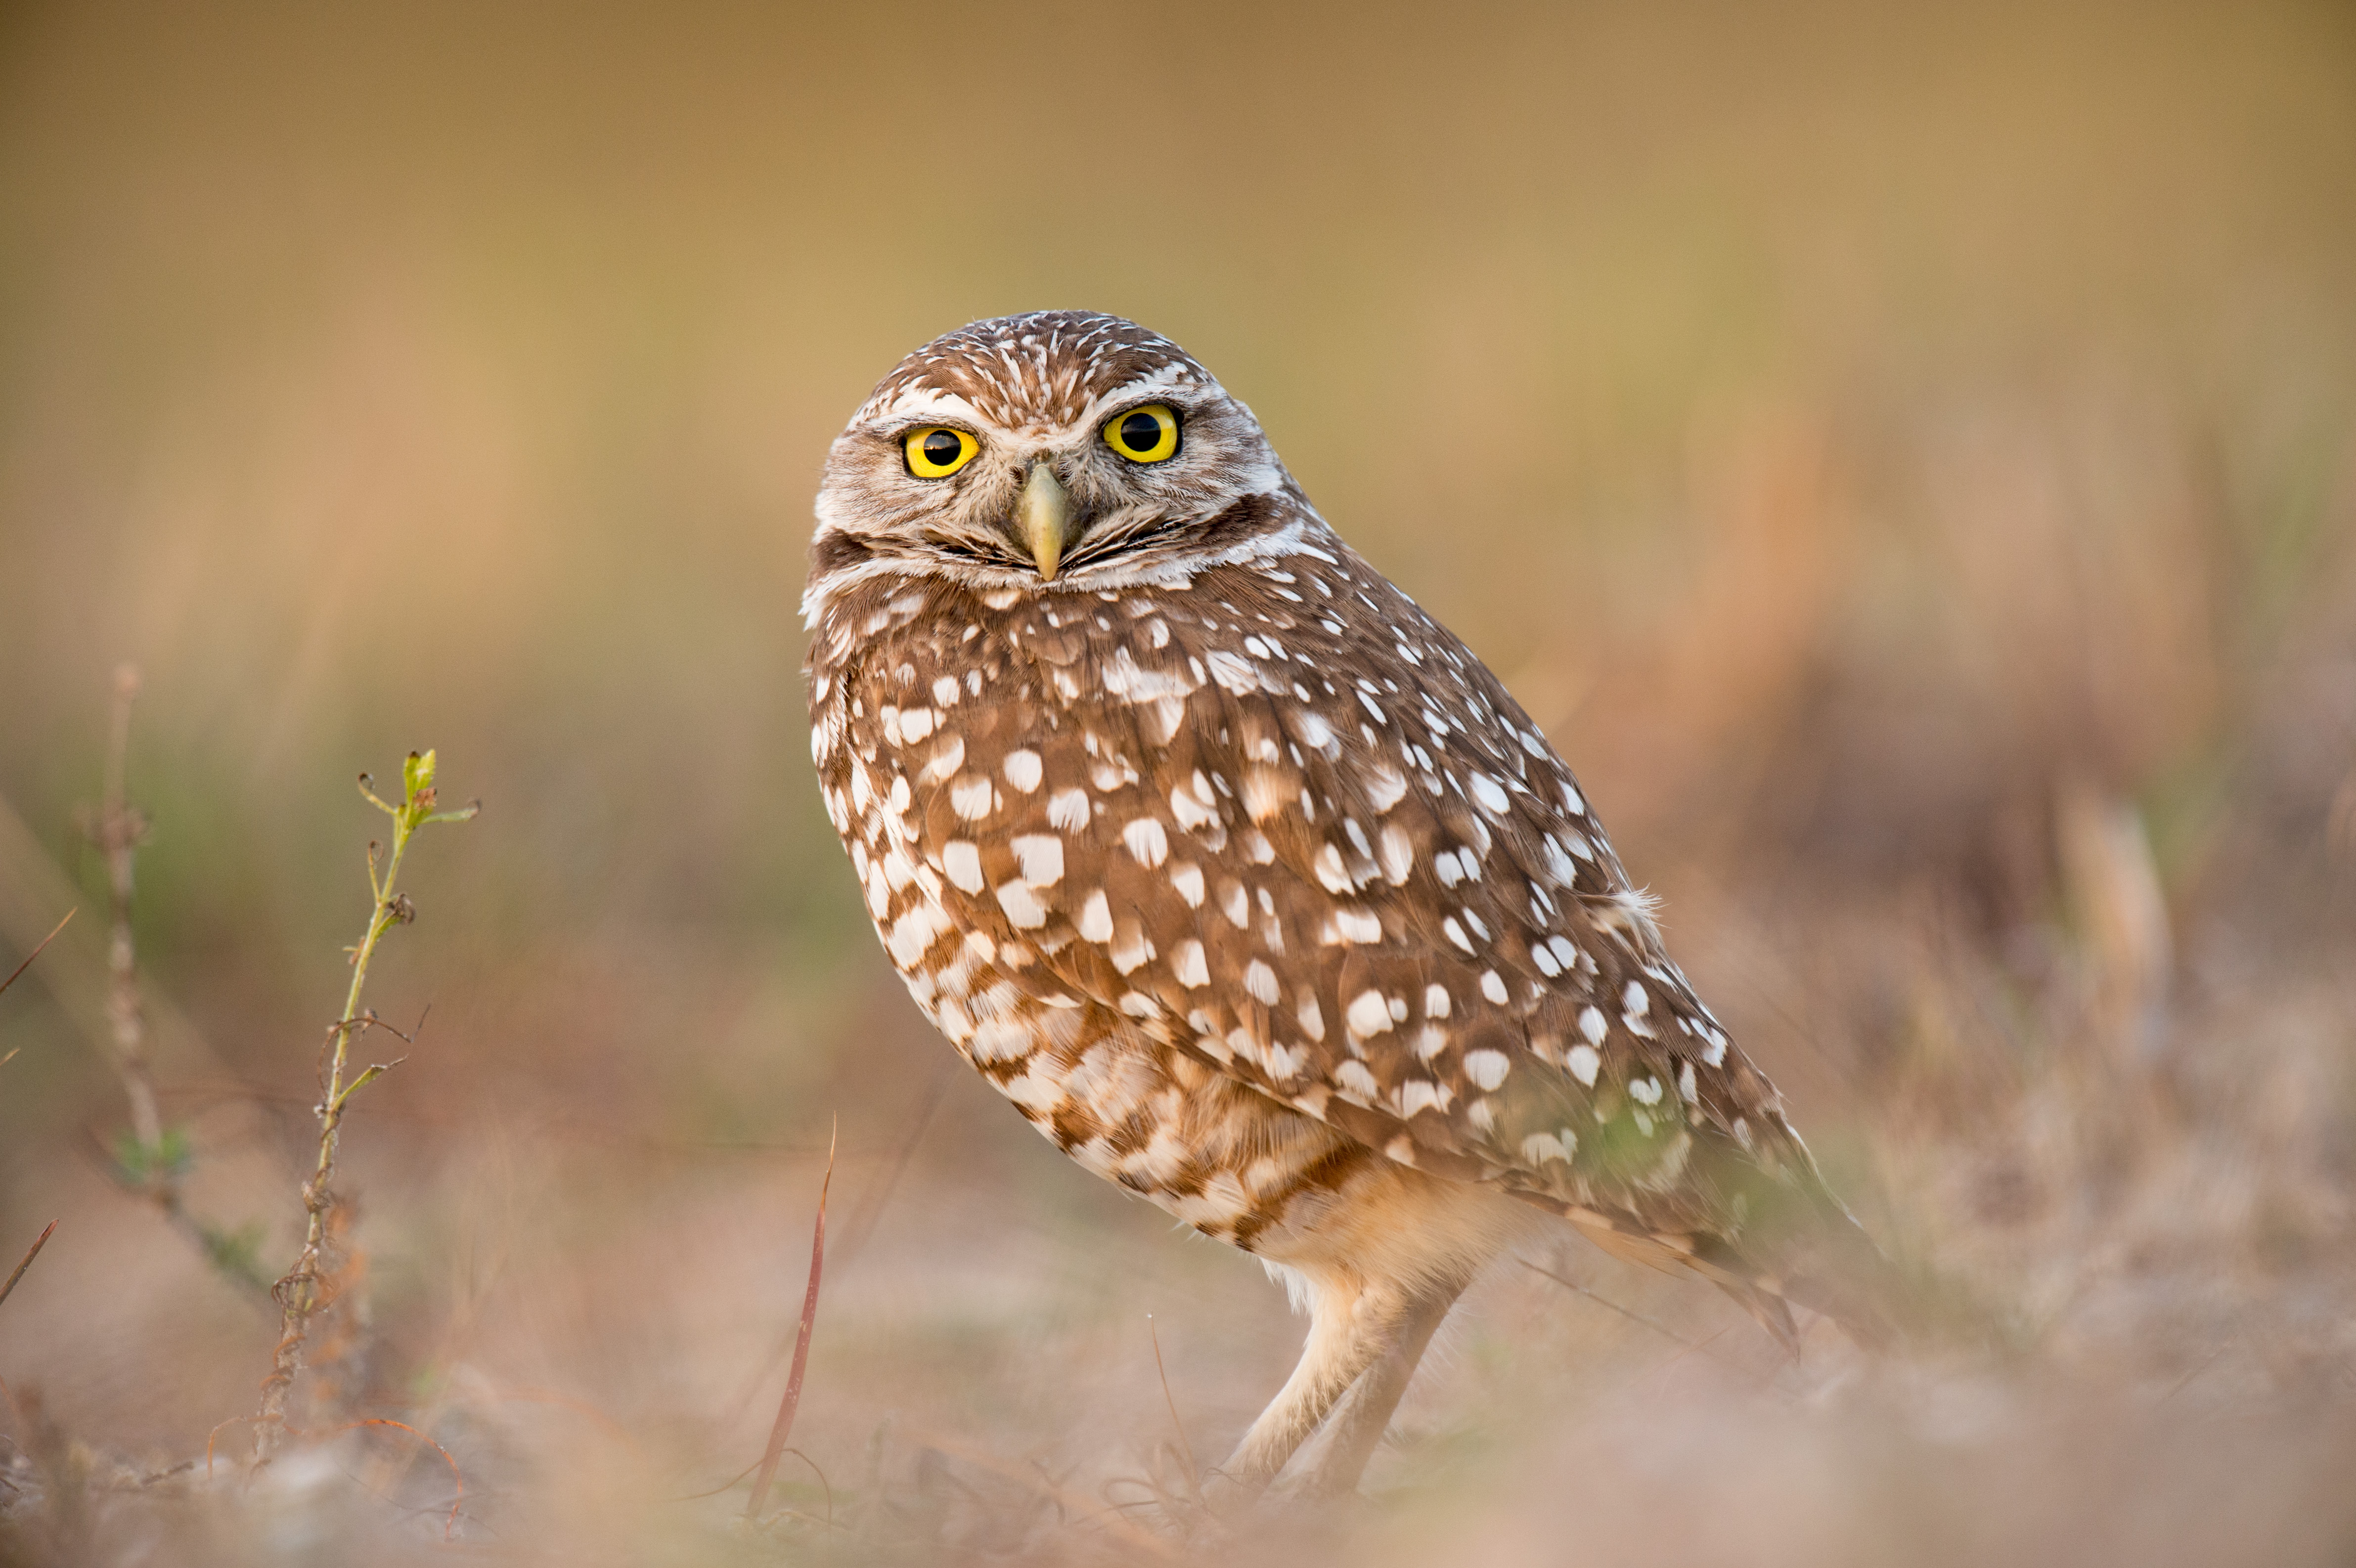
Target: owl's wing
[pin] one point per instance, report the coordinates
(1325, 851)
(1285, 822)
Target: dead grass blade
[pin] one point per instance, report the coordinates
(35, 953)
(787, 1405)
(581, 1407)
(1130, 1534)
(30, 1254)
(1688, 1346)
(728, 1484)
(1194, 1471)
(457, 1477)
(872, 1204)
(213, 1437)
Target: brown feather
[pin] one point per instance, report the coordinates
(1236, 872)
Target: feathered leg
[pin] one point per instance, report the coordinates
(1350, 1324)
(1358, 1421)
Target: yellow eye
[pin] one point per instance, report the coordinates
(936, 452)
(1149, 434)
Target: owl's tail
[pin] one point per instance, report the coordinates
(1798, 1246)
(1830, 1266)
(1810, 1252)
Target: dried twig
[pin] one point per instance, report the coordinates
(151, 1159)
(825, 1486)
(299, 1292)
(27, 964)
(30, 1254)
(2177, 1387)
(786, 1407)
(581, 1407)
(1608, 1305)
(1072, 1507)
(727, 1486)
(457, 1477)
(1194, 1471)
(872, 1203)
(117, 829)
(1641, 1321)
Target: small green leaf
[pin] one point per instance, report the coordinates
(237, 1255)
(417, 772)
(375, 1071)
(138, 1164)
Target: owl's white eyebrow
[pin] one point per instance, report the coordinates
(1166, 379)
(918, 404)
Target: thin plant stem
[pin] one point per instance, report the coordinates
(152, 1159)
(1642, 1321)
(786, 1406)
(871, 1203)
(118, 829)
(18, 973)
(30, 1254)
(298, 1292)
(1186, 1449)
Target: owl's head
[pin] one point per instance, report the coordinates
(1062, 450)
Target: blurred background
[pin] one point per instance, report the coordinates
(1901, 455)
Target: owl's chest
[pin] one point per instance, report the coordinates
(972, 803)
(932, 754)
(969, 766)
(921, 785)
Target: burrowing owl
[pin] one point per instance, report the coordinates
(1247, 882)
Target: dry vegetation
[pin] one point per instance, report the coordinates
(1907, 467)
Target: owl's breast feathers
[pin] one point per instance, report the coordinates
(1281, 821)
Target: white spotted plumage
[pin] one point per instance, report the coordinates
(1243, 879)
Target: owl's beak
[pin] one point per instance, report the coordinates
(1042, 518)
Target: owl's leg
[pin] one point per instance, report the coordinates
(1350, 1326)
(1361, 1416)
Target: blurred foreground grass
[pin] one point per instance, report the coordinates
(1904, 460)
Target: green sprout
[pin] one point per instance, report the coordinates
(299, 1293)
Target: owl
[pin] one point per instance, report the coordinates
(1249, 885)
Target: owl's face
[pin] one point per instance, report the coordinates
(1059, 451)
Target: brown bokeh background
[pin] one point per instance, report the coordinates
(1902, 456)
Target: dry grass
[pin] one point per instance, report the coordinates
(1906, 464)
